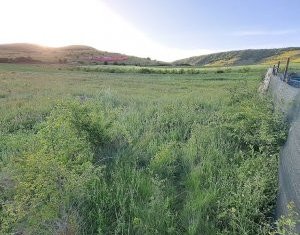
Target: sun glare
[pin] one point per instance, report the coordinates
(60, 23)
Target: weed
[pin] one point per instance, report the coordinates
(126, 150)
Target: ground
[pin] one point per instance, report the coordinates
(129, 150)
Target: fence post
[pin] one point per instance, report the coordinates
(274, 70)
(286, 70)
(278, 66)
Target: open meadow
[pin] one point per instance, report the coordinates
(131, 150)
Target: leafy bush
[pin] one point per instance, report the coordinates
(286, 224)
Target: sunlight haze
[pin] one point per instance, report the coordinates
(163, 30)
(61, 23)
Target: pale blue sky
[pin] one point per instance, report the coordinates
(161, 29)
(215, 24)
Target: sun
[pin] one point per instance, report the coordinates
(87, 22)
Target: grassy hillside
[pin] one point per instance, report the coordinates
(79, 54)
(244, 57)
(29, 53)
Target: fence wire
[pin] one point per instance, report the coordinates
(287, 99)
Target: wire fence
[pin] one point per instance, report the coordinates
(286, 98)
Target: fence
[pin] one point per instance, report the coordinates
(287, 99)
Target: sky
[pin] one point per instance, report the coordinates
(160, 29)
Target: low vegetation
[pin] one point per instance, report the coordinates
(85, 55)
(235, 71)
(244, 57)
(134, 153)
(76, 54)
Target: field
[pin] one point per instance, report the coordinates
(129, 150)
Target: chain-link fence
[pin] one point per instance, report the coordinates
(287, 99)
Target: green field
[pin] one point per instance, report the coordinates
(121, 150)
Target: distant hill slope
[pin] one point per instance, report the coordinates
(29, 53)
(79, 54)
(243, 57)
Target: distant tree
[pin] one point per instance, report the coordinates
(105, 63)
(5, 60)
(62, 61)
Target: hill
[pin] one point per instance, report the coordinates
(243, 57)
(75, 54)
(80, 54)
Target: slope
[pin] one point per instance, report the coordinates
(243, 57)
(30, 53)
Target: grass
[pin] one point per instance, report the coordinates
(244, 57)
(78, 54)
(92, 151)
(236, 71)
(293, 55)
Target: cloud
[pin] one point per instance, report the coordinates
(265, 32)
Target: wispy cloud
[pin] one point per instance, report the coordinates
(264, 32)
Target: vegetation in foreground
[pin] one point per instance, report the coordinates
(98, 153)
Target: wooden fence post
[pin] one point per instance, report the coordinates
(286, 70)
(274, 70)
(278, 66)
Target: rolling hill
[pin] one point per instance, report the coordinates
(80, 54)
(75, 54)
(243, 57)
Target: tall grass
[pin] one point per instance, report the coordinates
(199, 160)
(165, 70)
